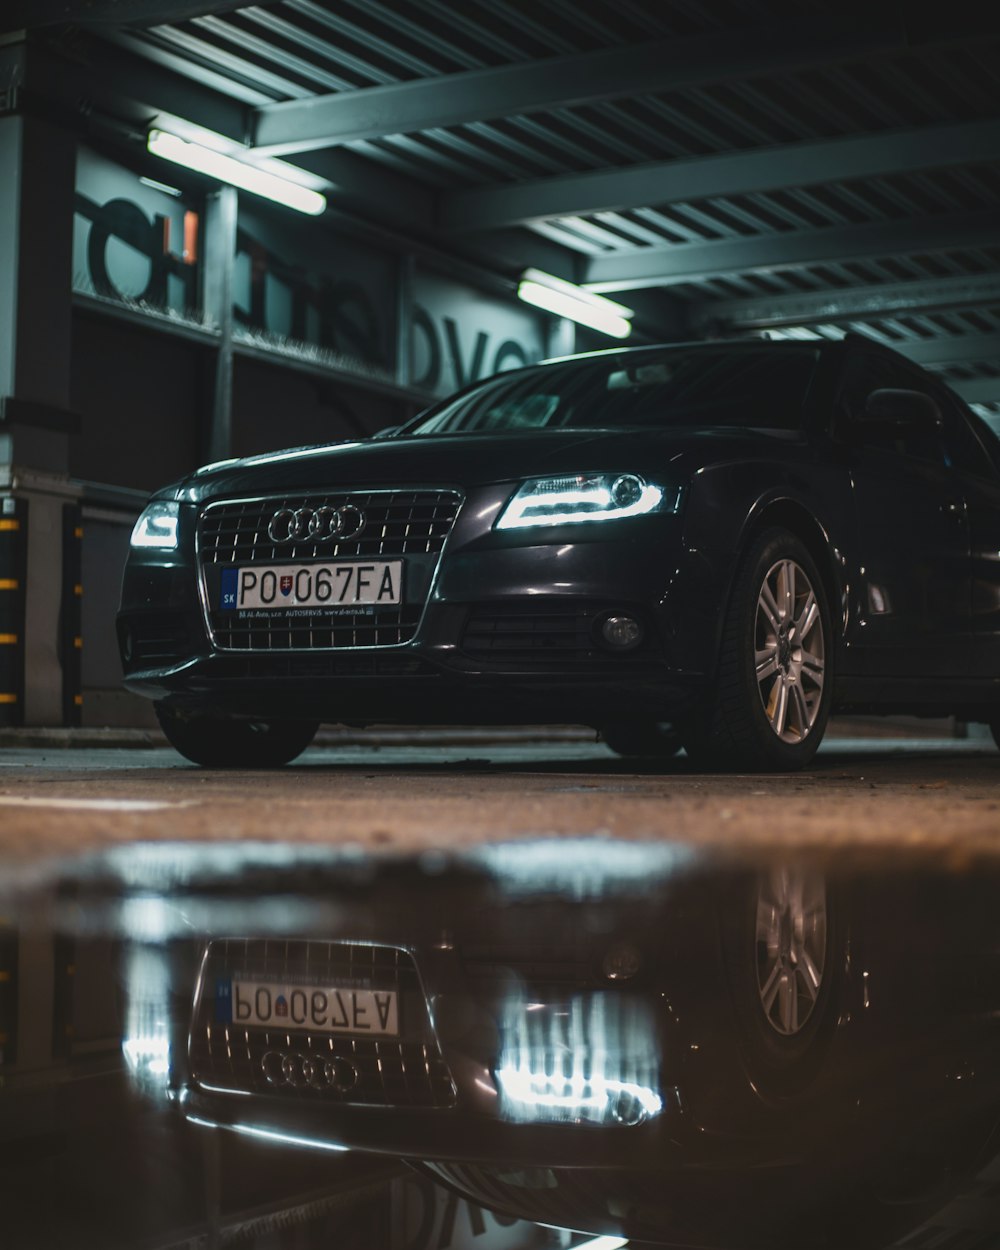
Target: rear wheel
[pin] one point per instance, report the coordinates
(653, 739)
(771, 699)
(218, 742)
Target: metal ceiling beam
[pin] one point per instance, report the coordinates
(956, 349)
(737, 173)
(561, 82)
(701, 262)
(125, 78)
(861, 303)
(29, 14)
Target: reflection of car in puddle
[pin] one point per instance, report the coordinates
(704, 1058)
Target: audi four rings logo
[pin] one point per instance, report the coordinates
(316, 524)
(300, 1070)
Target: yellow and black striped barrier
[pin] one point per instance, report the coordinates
(13, 573)
(71, 615)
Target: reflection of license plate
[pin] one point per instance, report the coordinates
(320, 1009)
(346, 583)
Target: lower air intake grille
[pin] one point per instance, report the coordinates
(551, 634)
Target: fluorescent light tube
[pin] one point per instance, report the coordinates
(238, 173)
(546, 291)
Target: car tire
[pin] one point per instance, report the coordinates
(217, 742)
(770, 701)
(650, 739)
(784, 943)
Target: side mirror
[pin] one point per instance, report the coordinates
(902, 408)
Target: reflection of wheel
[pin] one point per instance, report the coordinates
(791, 948)
(771, 699)
(782, 944)
(220, 743)
(651, 738)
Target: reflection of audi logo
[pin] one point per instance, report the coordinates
(315, 524)
(301, 1070)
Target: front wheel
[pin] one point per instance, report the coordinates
(771, 698)
(217, 742)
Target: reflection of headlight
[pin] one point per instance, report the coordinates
(593, 1059)
(157, 526)
(584, 497)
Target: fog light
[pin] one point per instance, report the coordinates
(622, 632)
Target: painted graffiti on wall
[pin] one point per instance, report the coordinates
(293, 287)
(459, 334)
(133, 241)
(314, 287)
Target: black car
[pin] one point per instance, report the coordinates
(710, 545)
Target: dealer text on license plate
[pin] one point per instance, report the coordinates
(345, 583)
(320, 1009)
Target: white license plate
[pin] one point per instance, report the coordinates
(369, 583)
(316, 1008)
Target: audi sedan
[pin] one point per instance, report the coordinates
(706, 545)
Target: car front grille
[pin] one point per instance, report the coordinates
(554, 634)
(411, 525)
(403, 1071)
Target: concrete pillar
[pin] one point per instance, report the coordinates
(37, 182)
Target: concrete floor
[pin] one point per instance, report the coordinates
(876, 794)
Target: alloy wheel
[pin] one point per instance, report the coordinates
(789, 651)
(791, 947)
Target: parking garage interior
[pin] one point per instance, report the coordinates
(722, 169)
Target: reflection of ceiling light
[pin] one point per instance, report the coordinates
(567, 300)
(238, 173)
(602, 1243)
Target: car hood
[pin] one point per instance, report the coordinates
(475, 460)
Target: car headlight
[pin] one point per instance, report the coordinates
(585, 497)
(157, 526)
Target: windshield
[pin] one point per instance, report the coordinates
(699, 386)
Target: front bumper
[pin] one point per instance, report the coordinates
(509, 633)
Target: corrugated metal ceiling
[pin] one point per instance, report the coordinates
(298, 49)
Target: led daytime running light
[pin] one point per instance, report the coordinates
(570, 500)
(157, 526)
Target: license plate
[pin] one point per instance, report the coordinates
(279, 587)
(315, 1008)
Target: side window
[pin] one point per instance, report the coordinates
(866, 373)
(963, 448)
